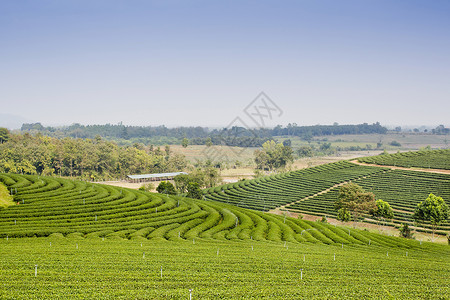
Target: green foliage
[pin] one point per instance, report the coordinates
(185, 143)
(5, 198)
(88, 159)
(4, 135)
(405, 231)
(395, 144)
(273, 156)
(147, 187)
(194, 191)
(166, 187)
(383, 210)
(355, 200)
(433, 210)
(344, 215)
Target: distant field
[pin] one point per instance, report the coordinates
(410, 141)
(215, 153)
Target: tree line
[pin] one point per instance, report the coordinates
(89, 159)
(234, 136)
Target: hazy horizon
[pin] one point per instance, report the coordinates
(201, 63)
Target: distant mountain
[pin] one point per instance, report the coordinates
(12, 121)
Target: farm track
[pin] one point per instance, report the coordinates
(53, 206)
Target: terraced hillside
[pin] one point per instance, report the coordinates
(402, 189)
(270, 192)
(314, 191)
(435, 159)
(51, 206)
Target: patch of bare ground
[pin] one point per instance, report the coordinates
(441, 171)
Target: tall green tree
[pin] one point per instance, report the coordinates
(354, 199)
(194, 191)
(383, 210)
(185, 143)
(273, 156)
(4, 135)
(433, 210)
(167, 188)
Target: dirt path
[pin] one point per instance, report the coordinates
(283, 207)
(440, 171)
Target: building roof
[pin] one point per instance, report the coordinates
(156, 175)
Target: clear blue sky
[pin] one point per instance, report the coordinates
(201, 62)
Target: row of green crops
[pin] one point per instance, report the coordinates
(402, 189)
(435, 159)
(273, 191)
(56, 267)
(72, 208)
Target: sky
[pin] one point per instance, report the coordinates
(202, 62)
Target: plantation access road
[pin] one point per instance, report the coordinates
(440, 171)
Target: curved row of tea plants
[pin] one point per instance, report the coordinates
(434, 159)
(402, 189)
(277, 190)
(49, 206)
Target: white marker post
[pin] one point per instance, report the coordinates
(252, 247)
(35, 270)
(387, 253)
(77, 245)
(304, 258)
(190, 294)
(50, 244)
(342, 245)
(301, 274)
(217, 252)
(143, 254)
(193, 241)
(7, 238)
(95, 217)
(15, 222)
(161, 272)
(406, 253)
(369, 242)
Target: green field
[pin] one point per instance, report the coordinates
(102, 242)
(436, 159)
(79, 268)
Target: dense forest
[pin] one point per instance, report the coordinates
(90, 159)
(234, 136)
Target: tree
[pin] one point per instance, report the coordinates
(383, 210)
(405, 231)
(273, 156)
(194, 191)
(185, 143)
(208, 142)
(4, 135)
(433, 210)
(355, 200)
(344, 215)
(166, 187)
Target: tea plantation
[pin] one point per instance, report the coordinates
(77, 240)
(436, 159)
